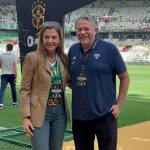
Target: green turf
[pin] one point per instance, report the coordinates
(137, 104)
(136, 108)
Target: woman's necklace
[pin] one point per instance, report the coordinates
(52, 60)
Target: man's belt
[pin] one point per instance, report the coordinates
(54, 102)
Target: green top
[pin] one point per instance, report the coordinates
(56, 81)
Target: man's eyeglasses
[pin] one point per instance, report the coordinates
(51, 23)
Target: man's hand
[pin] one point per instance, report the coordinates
(115, 110)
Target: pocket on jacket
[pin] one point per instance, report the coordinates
(34, 99)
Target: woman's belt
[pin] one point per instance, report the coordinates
(54, 102)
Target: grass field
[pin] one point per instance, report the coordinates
(136, 108)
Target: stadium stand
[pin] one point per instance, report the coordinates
(8, 16)
(122, 22)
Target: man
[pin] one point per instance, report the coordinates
(94, 65)
(8, 63)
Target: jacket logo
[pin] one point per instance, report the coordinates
(97, 56)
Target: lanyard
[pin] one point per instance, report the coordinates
(51, 69)
(84, 58)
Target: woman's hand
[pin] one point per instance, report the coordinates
(28, 127)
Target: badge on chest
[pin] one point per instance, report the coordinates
(82, 78)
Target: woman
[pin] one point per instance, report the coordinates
(43, 104)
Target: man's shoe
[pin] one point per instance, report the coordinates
(2, 107)
(15, 103)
